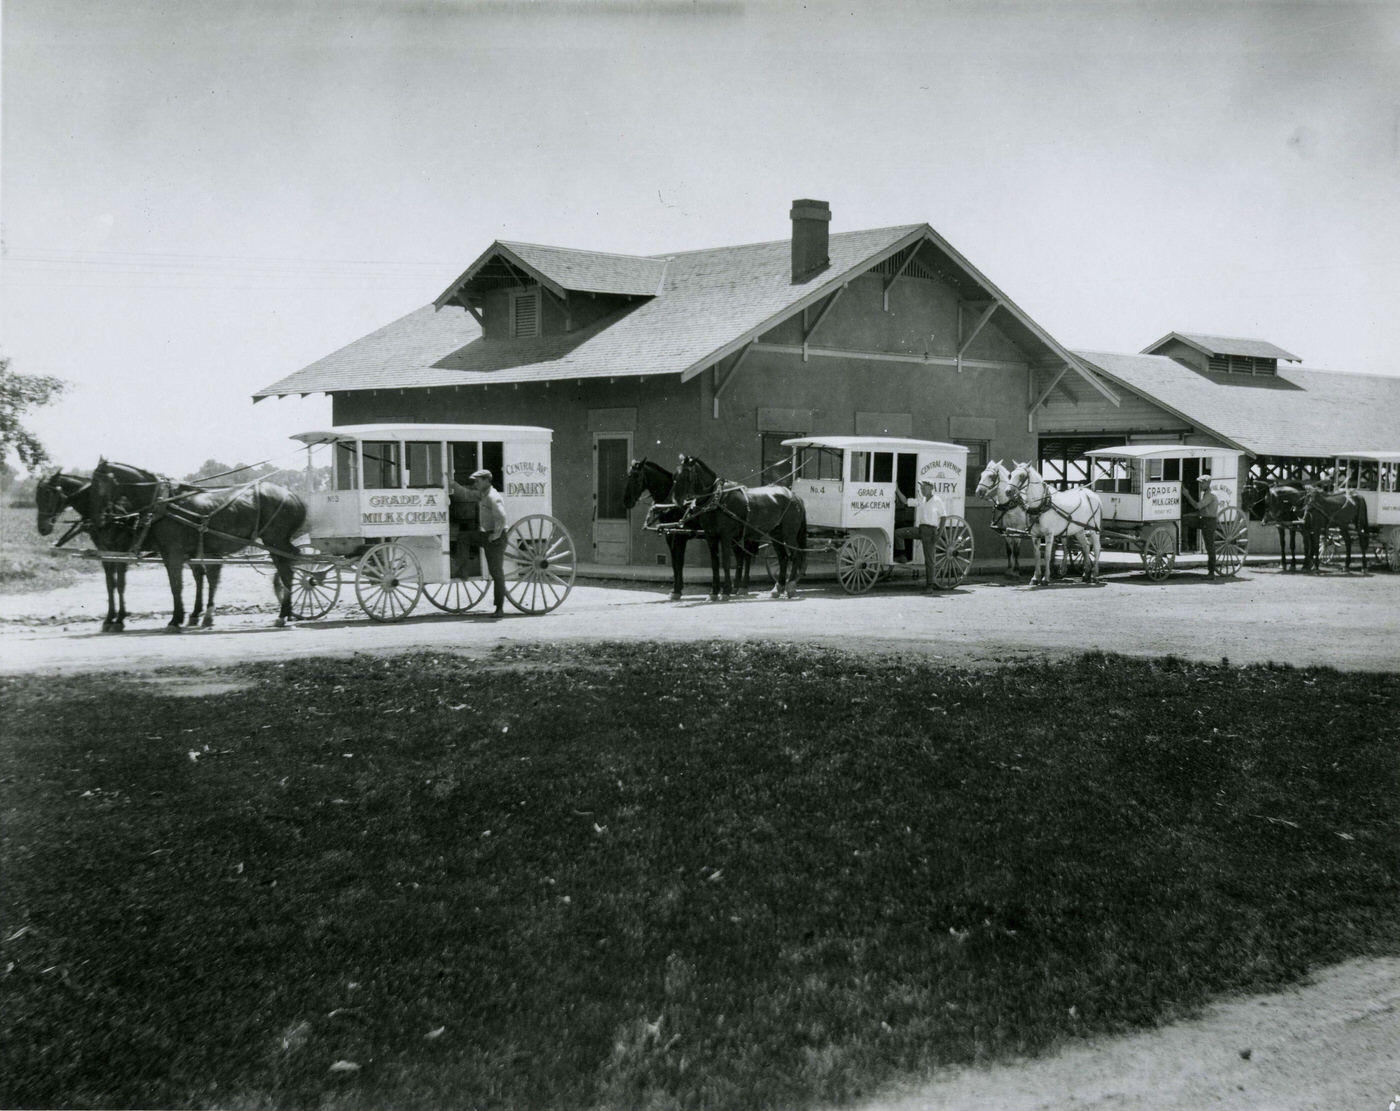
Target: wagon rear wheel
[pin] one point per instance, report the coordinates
(388, 581)
(1329, 547)
(1231, 540)
(1390, 540)
(1159, 552)
(952, 552)
(456, 595)
(315, 588)
(858, 564)
(540, 563)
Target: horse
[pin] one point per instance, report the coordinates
(1076, 513)
(1283, 508)
(58, 492)
(187, 524)
(1008, 518)
(646, 477)
(1343, 511)
(730, 514)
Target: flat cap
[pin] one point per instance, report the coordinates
(481, 473)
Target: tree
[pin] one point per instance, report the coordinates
(18, 394)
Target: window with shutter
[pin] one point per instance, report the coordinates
(525, 313)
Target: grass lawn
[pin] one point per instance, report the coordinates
(648, 876)
(28, 562)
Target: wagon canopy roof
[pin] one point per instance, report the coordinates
(873, 443)
(709, 305)
(1164, 451)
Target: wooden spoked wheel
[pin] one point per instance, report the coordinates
(1231, 540)
(1390, 540)
(952, 552)
(1070, 564)
(540, 563)
(858, 564)
(315, 588)
(388, 581)
(1329, 548)
(456, 595)
(1159, 552)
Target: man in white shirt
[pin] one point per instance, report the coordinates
(490, 533)
(929, 512)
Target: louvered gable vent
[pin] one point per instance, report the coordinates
(525, 313)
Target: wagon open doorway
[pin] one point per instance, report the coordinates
(612, 531)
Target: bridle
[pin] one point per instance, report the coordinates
(65, 502)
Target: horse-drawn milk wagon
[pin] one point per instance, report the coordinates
(385, 522)
(1141, 488)
(852, 486)
(1374, 478)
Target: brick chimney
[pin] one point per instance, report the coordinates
(809, 238)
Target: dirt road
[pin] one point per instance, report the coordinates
(1348, 622)
(1333, 1043)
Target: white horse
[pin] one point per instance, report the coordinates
(1076, 514)
(1009, 517)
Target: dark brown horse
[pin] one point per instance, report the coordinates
(59, 492)
(1283, 507)
(1343, 511)
(729, 514)
(189, 524)
(646, 477)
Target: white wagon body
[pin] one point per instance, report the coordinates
(1141, 487)
(386, 514)
(849, 483)
(1374, 477)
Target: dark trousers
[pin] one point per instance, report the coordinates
(1207, 527)
(926, 536)
(495, 560)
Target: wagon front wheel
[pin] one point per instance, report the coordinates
(858, 564)
(952, 552)
(1159, 553)
(540, 563)
(388, 581)
(1231, 540)
(315, 588)
(456, 595)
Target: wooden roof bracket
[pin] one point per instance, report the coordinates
(721, 383)
(965, 342)
(885, 293)
(807, 333)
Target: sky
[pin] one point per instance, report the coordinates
(199, 197)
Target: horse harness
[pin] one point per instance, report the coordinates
(165, 499)
(714, 503)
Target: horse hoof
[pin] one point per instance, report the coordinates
(174, 629)
(676, 597)
(280, 623)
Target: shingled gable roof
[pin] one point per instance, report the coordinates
(1225, 345)
(711, 303)
(560, 269)
(1298, 412)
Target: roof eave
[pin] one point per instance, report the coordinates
(497, 248)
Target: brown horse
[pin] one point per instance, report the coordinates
(1284, 507)
(59, 492)
(730, 514)
(1343, 511)
(646, 477)
(189, 524)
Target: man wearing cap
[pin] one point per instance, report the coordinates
(929, 512)
(1207, 508)
(490, 533)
